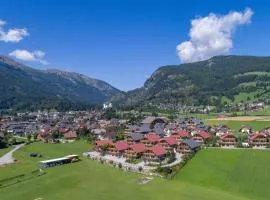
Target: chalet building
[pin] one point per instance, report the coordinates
(246, 129)
(200, 136)
(100, 143)
(118, 148)
(180, 135)
(265, 130)
(150, 140)
(134, 138)
(258, 140)
(70, 135)
(63, 130)
(168, 143)
(227, 140)
(186, 147)
(135, 151)
(155, 153)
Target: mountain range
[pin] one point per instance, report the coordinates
(218, 81)
(24, 87)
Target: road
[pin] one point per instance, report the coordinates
(8, 158)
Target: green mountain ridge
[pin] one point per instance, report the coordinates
(22, 87)
(221, 79)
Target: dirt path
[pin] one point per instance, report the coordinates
(8, 158)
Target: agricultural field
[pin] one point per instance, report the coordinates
(256, 122)
(210, 175)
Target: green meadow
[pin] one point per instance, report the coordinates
(243, 172)
(4, 151)
(210, 175)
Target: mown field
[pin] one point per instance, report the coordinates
(236, 124)
(210, 175)
(244, 172)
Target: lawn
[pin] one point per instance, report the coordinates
(4, 151)
(88, 179)
(243, 172)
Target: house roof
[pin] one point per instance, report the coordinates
(191, 143)
(150, 120)
(70, 134)
(183, 133)
(138, 148)
(136, 136)
(153, 137)
(109, 135)
(103, 142)
(63, 130)
(160, 132)
(258, 135)
(170, 140)
(121, 145)
(204, 134)
(158, 150)
(225, 135)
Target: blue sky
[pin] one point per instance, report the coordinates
(122, 42)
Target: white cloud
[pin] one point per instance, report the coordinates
(211, 35)
(12, 35)
(36, 56)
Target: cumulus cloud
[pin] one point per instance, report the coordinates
(211, 35)
(36, 56)
(12, 35)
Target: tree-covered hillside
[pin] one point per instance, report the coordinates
(219, 80)
(22, 87)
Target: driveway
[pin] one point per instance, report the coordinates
(8, 158)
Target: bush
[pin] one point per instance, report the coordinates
(120, 165)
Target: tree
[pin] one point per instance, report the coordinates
(35, 136)
(155, 114)
(28, 136)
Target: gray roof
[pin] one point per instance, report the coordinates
(191, 143)
(145, 128)
(159, 131)
(136, 136)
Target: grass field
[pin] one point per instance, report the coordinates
(236, 124)
(243, 172)
(4, 151)
(210, 175)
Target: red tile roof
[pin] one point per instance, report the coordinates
(70, 135)
(63, 130)
(183, 133)
(226, 135)
(152, 137)
(171, 140)
(258, 135)
(121, 145)
(158, 150)
(204, 134)
(138, 148)
(103, 142)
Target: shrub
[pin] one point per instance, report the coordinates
(120, 165)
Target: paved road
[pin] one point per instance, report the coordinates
(7, 158)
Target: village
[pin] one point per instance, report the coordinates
(144, 146)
